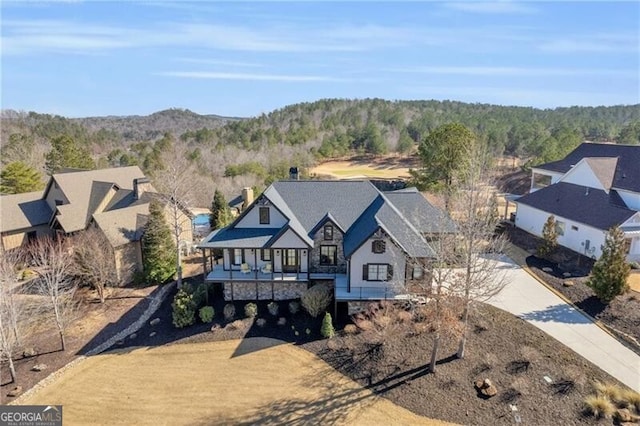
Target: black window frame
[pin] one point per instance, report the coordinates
(366, 276)
(265, 255)
(328, 232)
(233, 257)
(334, 260)
(378, 246)
(264, 219)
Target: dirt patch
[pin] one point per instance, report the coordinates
(250, 381)
(621, 315)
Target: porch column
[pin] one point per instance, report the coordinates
(255, 262)
(204, 263)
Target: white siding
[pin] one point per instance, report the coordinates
(582, 174)
(252, 218)
(289, 240)
(392, 255)
(532, 220)
(631, 199)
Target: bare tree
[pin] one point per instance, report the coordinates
(176, 185)
(478, 278)
(10, 308)
(53, 259)
(94, 261)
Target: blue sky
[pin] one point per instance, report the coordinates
(82, 58)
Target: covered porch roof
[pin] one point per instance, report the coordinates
(239, 238)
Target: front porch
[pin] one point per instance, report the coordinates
(382, 292)
(219, 274)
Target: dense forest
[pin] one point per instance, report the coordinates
(232, 152)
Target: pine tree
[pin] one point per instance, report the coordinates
(65, 152)
(158, 247)
(549, 236)
(327, 329)
(610, 272)
(18, 177)
(220, 215)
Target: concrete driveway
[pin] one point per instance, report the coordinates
(530, 300)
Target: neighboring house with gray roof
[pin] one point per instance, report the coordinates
(594, 188)
(367, 244)
(116, 201)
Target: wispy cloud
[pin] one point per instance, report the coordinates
(496, 7)
(239, 64)
(593, 43)
(509, 71)
(250, 76)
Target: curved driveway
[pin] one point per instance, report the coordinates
(528, 299)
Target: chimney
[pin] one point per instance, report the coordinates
(140, 186)
(293, 173)
(247, 197)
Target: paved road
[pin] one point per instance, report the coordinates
(525, 297)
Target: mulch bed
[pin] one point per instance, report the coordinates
(621, 315)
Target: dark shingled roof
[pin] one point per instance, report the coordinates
(240, 237)
(20, 211)
(627, 173)
(423, 215)
(590, 206)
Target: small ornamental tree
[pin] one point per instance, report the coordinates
(158, 247)
(220, 215)
(610, 272)
(327, 329)
(316, 299)
(549, 236)
(184, 308)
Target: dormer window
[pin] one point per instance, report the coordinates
(328, 232)
(264, 215)
(378, 246)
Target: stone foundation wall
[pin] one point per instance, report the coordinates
(263, 290)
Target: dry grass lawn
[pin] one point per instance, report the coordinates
(358, 170)
(634, 281)
(255, 380)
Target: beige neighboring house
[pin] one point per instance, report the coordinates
(115, 201)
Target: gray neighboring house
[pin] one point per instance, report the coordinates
(366, 244)
(115, 201)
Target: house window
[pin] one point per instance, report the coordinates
(377, 272)
(574, 228)
(559, 227)
(378, 246)
(264, 215)
(265, 254)
(237, 256)
(417, 273)
(328, 232)
(328, 255)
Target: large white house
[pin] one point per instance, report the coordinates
(365, 243)
(595, 187)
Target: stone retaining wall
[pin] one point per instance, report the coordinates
(239, 290)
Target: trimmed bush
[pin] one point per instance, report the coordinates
(599, 406)
(632, 398)
(608, 390)
(316, 299)
(251, 310)
(294, 307)
(229, 311)
(282, 321)
(206, 314)
(273, 308)
(201, 295)
(350, 329)
(327, 329)
(261, 322)
(184, 309)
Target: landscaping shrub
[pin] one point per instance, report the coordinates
(282, 321)
(261, 322)
(184, 309)
(327, 329)
(610, 391)
(610, 272)
(350, 329)
(206, 314)
(316, 299)
(273, 308)
(632, 399)
(599, 406)
(201, 295)
(229, 311)
(251, 310)
(294, 307)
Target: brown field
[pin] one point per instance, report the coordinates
(256, 380)
(391, 167)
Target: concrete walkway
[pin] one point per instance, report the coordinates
(530, 300)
